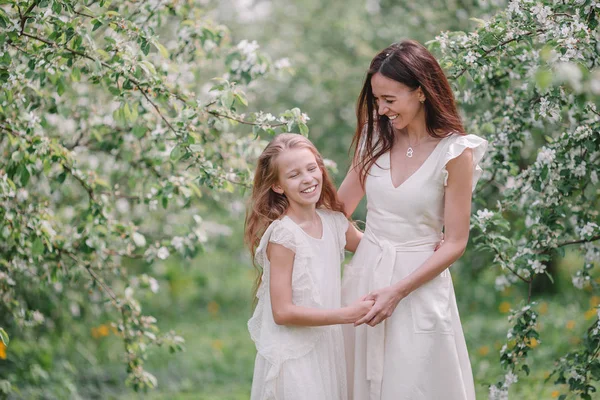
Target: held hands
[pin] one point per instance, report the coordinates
(383, 301)
(357, 310)
(386, 300)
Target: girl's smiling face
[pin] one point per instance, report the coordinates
(396, 101)
(299, 177)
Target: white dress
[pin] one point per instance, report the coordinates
(419, 353)
(293, 362)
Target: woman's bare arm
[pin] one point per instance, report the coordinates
(353, 237)
(351, 191)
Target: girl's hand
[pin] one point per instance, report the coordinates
(357, 310)
(437, 247)
(386, 300)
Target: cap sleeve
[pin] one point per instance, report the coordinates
(457, 146)
(282, 235)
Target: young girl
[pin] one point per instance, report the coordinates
(297, 233)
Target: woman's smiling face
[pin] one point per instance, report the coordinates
(396, 101)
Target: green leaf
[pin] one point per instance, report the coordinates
(161, 49)
(24, 175)
(127, 112)
(220, 84)
(96, 24)
(303, 128)
(480, 22)
(543, 78)
(56, 7)
(139, 131)
(241, 97)
(227, 99)
(4, 337)
(76, 74)
(176, 153)
(145, 47)
(37, 247)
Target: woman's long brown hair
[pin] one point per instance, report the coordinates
(266, 205)
(411, 64)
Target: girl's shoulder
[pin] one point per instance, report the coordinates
(282, 231)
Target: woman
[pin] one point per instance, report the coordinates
(418, 169)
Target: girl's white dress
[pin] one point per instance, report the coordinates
(293, 362)
(419, 353)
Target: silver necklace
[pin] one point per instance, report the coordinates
(410, 151)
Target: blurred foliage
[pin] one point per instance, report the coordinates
(109, 112)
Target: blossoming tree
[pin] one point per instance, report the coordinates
(112, 133)
(111, 130)
(529, 80)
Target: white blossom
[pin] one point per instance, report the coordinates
(578, 281)
(178, 243)
(513, 7)
(546, 156)
(163, 253)
(282, 63)
(153, 285)
(484, 215)
(470, 58)
(22, 195)
(37, 317)
(537, 266)
(588, 230)
(510, 378)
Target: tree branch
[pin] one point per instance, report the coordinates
(504, 43)
(83, 183)
(24, 15)
(133, 80)
(95, 277)
(241, 121)
(568, 243)
(509, 268)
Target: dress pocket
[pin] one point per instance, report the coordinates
(430, 305)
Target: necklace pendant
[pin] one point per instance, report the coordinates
(409, 152)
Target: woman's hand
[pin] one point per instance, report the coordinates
(386, 300)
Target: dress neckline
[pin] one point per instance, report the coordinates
(389, 154)
(306, 233)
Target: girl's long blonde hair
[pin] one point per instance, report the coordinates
(266, 205)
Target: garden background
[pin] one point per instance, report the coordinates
(128, 131)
